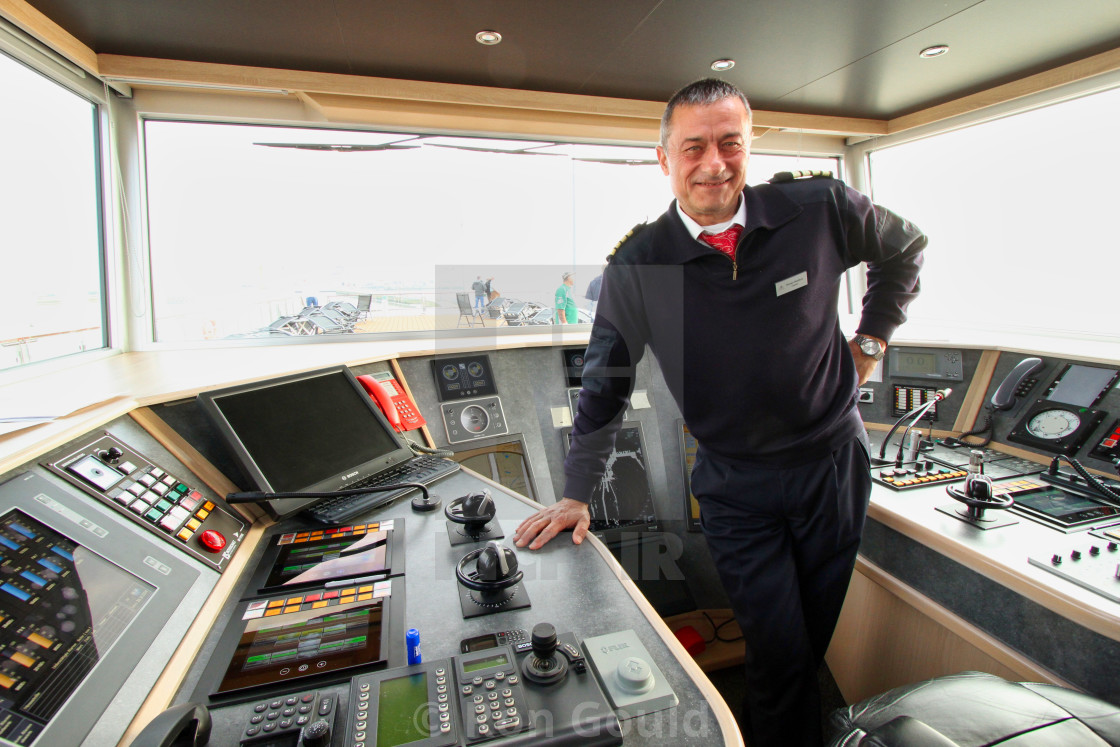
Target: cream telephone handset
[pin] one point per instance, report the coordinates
(390, 396)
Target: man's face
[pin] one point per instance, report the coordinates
(706, 157)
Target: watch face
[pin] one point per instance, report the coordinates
(870, 347)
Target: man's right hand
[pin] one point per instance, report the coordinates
(551, 520)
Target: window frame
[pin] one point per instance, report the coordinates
(859, 157)
(229, 108)
(26, 51)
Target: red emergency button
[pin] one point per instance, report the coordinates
(212, 540)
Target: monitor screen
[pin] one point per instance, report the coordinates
(503, 460)
(623, 499)
(688, 445)
(62, 607)
(312, 431)
(1083, 386)
(301, 636)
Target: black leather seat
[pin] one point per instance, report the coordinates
(973, 709)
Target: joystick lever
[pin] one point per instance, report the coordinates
(472, 512)
(977, 493)
(544, 667)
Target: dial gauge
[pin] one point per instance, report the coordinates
(474, 419)
(450, 372)
(1053, 424)
(474, 368)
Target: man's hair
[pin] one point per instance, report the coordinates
(701, 93)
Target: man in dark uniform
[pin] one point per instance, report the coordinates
(734, 289)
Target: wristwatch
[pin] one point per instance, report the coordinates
(870, 347)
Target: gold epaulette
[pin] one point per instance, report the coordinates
(789, 176)
(629, 235)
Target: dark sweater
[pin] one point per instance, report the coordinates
(751, 349)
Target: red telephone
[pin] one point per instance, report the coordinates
(399, 410)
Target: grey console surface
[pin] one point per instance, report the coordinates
(573, 587)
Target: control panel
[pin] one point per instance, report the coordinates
(519, 694)
(169, 505)
(475, 418)
(91, 607)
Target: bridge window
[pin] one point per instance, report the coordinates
(255, 231)
(1021, 214)
(49, 220)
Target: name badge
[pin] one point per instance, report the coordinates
(800, 280)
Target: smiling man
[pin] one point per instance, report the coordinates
(735, 289)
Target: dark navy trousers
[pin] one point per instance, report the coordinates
(784, 542)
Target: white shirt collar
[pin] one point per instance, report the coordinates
(695, 229)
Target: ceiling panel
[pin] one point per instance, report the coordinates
(853, 58)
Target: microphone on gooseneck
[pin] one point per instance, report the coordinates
(917, 413)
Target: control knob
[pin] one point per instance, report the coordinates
(316, 734)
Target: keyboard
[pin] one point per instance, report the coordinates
(422, 469)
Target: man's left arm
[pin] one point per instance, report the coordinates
(892, 247)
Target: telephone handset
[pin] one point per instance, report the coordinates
(399, 409)
(1006, 392)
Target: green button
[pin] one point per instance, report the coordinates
(153, 515)
(164, 505)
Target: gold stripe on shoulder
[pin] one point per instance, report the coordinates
(629, 235)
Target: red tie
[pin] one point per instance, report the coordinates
(724, 241)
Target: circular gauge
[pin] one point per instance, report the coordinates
(474, 419)
(450, 373)
(474, 368)
(577, 361)
(1053, 424)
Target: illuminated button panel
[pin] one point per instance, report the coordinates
(162, 502)
(918, 475)
(906, 398)
(320, 599)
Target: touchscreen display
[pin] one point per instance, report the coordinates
(303, 560)
(300, 636)
(1065, 508)
(61, 608)
(403, 716)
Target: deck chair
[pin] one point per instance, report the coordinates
(468, 311)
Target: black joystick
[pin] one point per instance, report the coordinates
(470, 516)
(495, 571)
(977, 495)
(112, 455)
(316, 734)
(544, 667)
(490, 581)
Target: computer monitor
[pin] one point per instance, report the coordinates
(687, 443)
(622, 504)
(314, 431)
(503, 460)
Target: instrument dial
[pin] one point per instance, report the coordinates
(1053, 424)
(474, 368)
(474, 419)
(450, 372)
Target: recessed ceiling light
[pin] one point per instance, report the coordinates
(721, 65)
(488, 38)
(935, 51)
